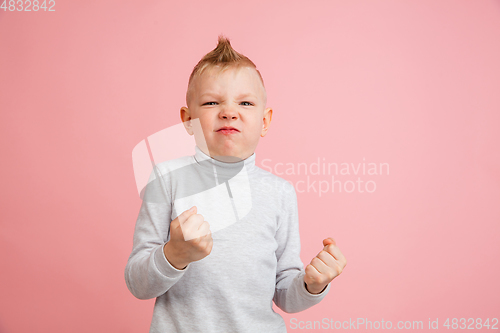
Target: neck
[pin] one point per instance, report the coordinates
(230, 165)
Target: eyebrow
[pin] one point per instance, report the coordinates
(210, 94)
(238, 97)
(247, 95)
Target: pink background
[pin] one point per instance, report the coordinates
(410, 83)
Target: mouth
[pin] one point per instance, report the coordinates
(227, 130)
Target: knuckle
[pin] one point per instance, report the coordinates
(206, 250)
(187, 231)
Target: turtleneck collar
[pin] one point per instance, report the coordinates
(210, 164)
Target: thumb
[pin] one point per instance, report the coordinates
(328, 241)
(186, 214)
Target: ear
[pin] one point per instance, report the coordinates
(186, 119)
(268, 115)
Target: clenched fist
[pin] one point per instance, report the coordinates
(326, 266)
(190, 239)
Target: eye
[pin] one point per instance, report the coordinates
(210, 103)
(247, 103)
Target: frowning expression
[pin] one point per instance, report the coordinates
(230, 105)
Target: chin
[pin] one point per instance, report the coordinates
(230, 153)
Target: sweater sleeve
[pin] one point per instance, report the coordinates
(148, 274)
(291, 294)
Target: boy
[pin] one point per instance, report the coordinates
(224, 281)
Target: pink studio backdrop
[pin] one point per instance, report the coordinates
(413, 84)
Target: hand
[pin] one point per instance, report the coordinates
(190, 239)
(326, 266)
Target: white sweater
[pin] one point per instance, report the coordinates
(255, 257)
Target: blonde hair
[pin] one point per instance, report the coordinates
(222, 57)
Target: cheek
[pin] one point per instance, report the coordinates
(259, 124)
(206, 123)
(206, 126)
(257, 129)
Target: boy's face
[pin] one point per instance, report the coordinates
(233, 98)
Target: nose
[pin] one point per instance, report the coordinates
(228, 112)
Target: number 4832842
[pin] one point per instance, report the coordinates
(27, 5)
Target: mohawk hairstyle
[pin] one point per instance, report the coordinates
(222, 57)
